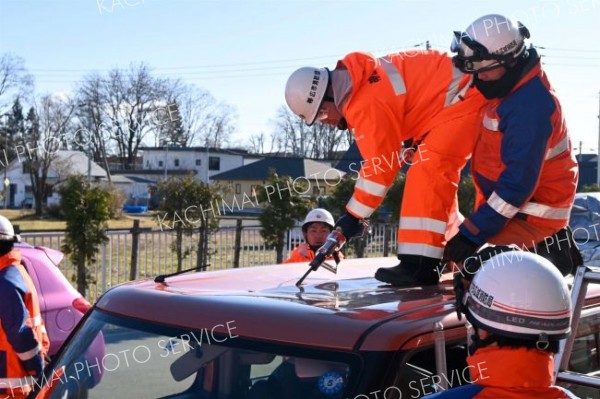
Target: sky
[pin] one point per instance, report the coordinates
(243, 51)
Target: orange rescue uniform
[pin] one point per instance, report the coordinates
(422, 98)
(21, 350)
(304, 253)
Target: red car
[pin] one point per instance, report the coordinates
(251, 333)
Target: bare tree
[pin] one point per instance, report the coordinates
(119, 109)
(291, 133)
(192, 116)
(325, 140)
(316, 141)
(127, 107)
(257, 143)
(219, 126)
(46, 125)
(14, 77)
(92, 122)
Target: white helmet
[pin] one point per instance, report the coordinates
(519, 294)
(488, 42)
(7, 231)
(318, 215)
(305, 91)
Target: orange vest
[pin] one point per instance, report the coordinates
(15, 380)
(523, 164)
(304, 253)
(419, 97)
(35, 320)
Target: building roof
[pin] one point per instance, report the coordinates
(292, 167)
(118, 179)
(139, 179)
(350, 161)
(77, 163)
(587, 158)
(232, 151)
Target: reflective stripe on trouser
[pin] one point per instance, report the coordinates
(431, 186)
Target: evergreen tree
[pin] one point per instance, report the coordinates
(282, 207)
(12, 131)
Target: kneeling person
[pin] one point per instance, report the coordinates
(520, 307)
(315, 229)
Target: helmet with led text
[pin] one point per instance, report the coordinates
(520, 295)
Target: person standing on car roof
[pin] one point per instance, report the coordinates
(316, 227)
(409, 107)
(520, 308)
(22, 336)
(523, 166)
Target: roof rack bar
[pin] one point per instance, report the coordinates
(579, 379)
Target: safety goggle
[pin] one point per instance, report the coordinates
(480, 61)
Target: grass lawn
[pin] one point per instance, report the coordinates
(26, 220)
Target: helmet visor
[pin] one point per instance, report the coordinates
(473, 57)
(467, 65)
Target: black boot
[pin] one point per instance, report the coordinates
(413, 271)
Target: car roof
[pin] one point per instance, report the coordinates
(337, 311)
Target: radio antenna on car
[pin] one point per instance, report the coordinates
(161, 277)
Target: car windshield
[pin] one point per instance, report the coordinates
(113, 356)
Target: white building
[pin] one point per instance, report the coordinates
(202, 162)
(19, 193)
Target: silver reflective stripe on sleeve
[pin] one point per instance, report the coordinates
(394, 75)
(490, 123)
(502, 207)
(430, 251)
(453, 95)
(23, 382)
(545, 211)
(24, 356)
(371, 187)
(559, 148)
(37, 320)
(359, 209)
(427, 224)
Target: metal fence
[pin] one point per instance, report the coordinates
(151, 252)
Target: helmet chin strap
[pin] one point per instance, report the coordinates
(342, 124)
(478, 342)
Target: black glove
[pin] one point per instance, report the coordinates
(350, 225)
(460, 288)
(459, 248)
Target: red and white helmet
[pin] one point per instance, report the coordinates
(318, 215)
(490, 41)
(305, 91)
(522, 295)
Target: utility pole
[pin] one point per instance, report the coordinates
(89, 132)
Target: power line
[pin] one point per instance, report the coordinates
(568, 49)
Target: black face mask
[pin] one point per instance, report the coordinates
(501, 87)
